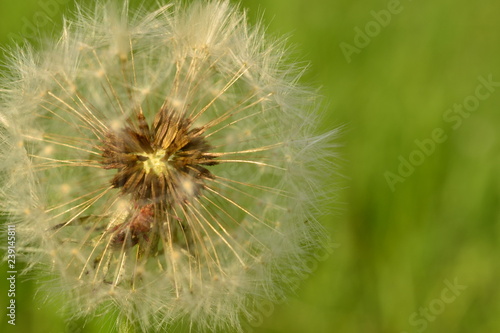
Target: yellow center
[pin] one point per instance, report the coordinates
(155, 162)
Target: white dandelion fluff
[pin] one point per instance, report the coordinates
(162, 164)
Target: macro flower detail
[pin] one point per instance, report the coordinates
(161, 163)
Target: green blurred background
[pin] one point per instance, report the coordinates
(399, 247)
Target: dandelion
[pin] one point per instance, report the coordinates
(161, 163)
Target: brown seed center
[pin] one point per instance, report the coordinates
(164, 163)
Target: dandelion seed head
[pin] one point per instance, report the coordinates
(162, 163)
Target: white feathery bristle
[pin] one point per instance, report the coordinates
(163, 164)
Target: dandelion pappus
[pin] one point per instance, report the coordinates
(162, 164)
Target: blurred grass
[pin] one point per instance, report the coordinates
(396, 249)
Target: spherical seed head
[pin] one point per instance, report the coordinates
(162, 162)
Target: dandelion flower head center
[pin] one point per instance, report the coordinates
(156, 163)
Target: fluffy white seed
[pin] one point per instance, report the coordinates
(211, 213)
